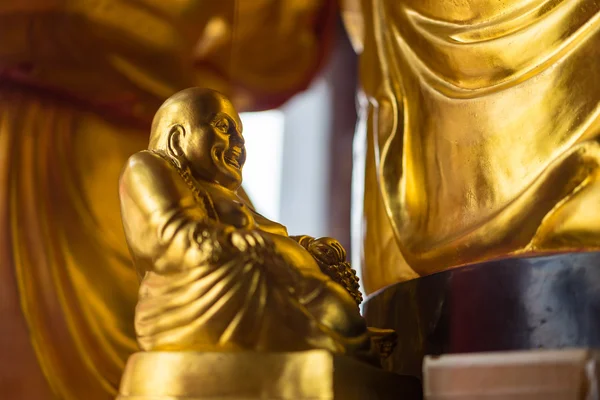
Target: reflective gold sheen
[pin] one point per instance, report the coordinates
(79, 84)
(305, 375)
(215, 274)
(482, 131)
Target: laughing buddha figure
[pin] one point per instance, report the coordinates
(216, 275)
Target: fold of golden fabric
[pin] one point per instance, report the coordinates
(76, 283)
(133, 54)
(482, 124)
(99, 69)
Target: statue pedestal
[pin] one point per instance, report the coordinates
(314, 375)
(512, 304)
(524, 375)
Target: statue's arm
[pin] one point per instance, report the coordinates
(162, 220)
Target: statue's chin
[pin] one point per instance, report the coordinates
(234, 180)
(231, 175)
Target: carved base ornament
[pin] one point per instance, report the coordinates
(222, 288)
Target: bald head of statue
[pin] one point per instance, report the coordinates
(200, 130)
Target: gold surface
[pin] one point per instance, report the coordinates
(215, 274)
(481, 142)
(77, 290)
(79, 84)
(330, 255)
(132, 55)
(482, 131)
(307, 375)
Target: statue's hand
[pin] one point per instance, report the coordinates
(331, 257)
(327, 251)
(253, 246)
(223, 242)
(246, 240)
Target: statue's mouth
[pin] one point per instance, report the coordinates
(234, 156)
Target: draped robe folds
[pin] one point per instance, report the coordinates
(79, 84)
(480, 132)
(505, 91)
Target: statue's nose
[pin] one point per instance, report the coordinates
(237, 137)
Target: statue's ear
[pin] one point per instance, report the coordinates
(176, 133)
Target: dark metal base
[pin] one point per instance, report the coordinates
(510, 304)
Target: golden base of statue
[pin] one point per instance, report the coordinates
(314, 375)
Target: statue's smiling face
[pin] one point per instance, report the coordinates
(201, 130)
(215, 146)
(228, 152)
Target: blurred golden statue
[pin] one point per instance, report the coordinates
(79, 84)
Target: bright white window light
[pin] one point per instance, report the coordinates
(263, 132)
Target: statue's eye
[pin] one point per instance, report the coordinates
(222, 125)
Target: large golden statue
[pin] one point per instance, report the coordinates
(482, 131)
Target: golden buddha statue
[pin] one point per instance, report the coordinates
(215, 274)
(479, 218)
(218, 277)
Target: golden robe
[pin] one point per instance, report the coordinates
(482, 142)
(79, 84)
(482, 129)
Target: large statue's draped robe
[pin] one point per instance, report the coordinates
(79, 82)
(480, 135)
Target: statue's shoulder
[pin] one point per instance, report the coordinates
(148, 166)
(146, 162)
(150, 171)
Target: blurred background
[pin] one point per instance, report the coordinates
(79, 83)
(299, 166)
